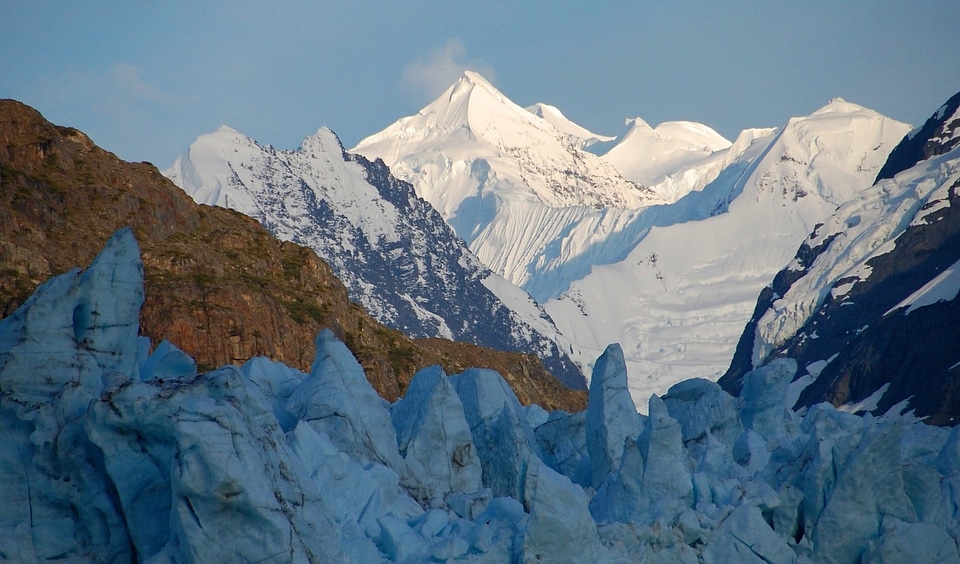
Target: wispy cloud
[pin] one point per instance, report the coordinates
(124, 78)
(117, 92)
(428, 77)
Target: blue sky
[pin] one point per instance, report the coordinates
(144, 79)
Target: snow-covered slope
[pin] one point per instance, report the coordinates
(658, 157)
(391, 249)
(113, 453)
(673, 282)
(580, 136)
(868, 305)
(507, 181)
(473, 141)
(680, 298)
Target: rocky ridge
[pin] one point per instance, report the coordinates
(391, 249)
(218, 285)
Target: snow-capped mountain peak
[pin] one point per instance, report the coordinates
(688, 135)
(393, 251)
(651, 155)
(323, 142)
(472, 141)
(474, 103)
(692, 273)
(867, 305)
(648, 276)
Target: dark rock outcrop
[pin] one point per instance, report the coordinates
(874, 335)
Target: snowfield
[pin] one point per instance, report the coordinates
(661, 241)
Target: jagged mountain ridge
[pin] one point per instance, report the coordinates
(935, 137)
(579, 136)
(476, 131)
(867, 306)
(394, 252)
(218, 285)
(506, 180)
(674, 283)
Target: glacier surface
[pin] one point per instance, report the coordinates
(108, 453)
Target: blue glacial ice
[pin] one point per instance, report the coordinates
(109, 452)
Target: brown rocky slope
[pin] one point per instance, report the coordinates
(217, 284)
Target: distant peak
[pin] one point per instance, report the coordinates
(468, 82)
(475, 78)
(634, 126)
(324, 131)
(543, 110)
(323, 141)
(224, 134)
(838, 104)
(636, 122)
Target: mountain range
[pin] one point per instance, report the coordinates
(329, 437)
(218, 285)
(394, 252)
(660, 238)
(666, 257)
(662, 241)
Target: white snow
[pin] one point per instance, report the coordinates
(883, 212)
(664, 157)
(867, 404)
(578, 135)
(943, 288)
(672, 275)
(472, 140)
(390, 248)
(255, 173)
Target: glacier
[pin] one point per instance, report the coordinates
(110, 452)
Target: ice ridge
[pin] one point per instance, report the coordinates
(111, 454)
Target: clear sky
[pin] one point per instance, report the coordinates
(144, 79)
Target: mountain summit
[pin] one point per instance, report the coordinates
(647, 155)
(672, 276)
(392, 250)
(472, 142)
(868, 307)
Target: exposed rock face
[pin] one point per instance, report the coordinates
(392, 250)
(937, 136)
(868, 307)
(217, 284)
